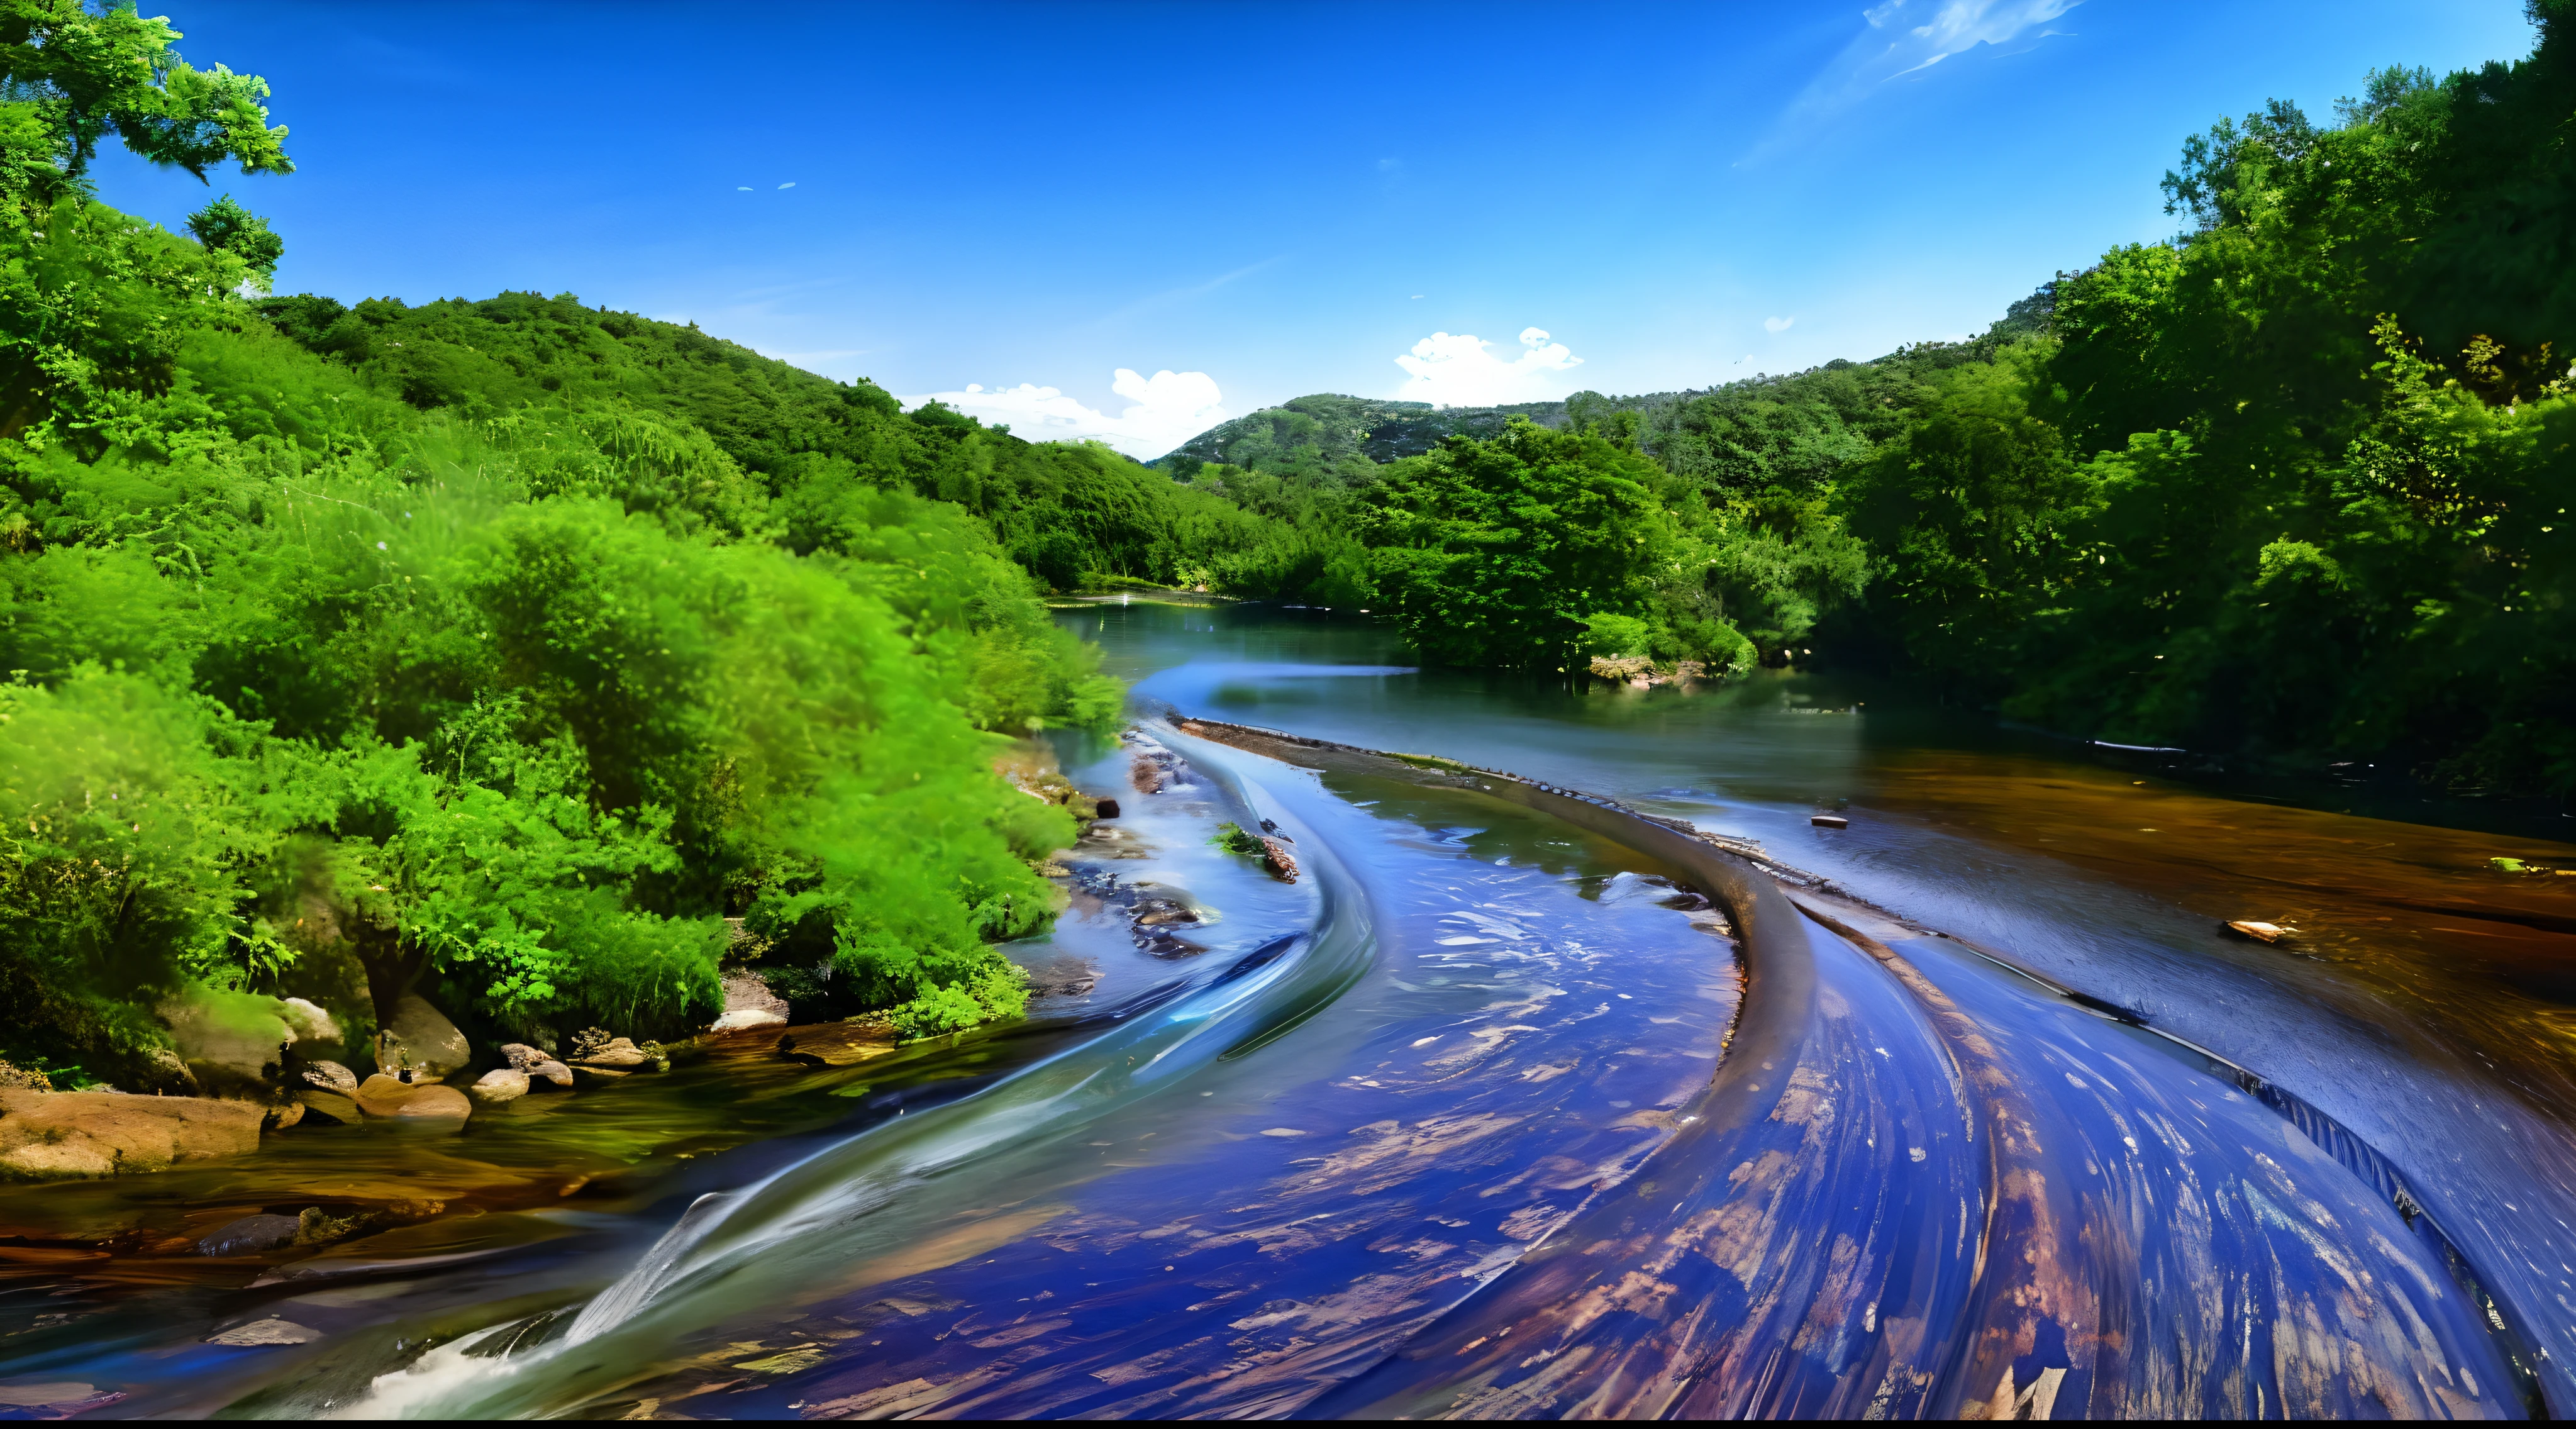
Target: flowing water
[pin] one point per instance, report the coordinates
(1510, 1105)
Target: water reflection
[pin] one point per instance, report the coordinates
(1516, 1016)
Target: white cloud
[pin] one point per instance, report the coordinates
(1907, 37)
(1949, 27)
(1777, 324)
(1462, 371)
(791, 183)
(1169, 409)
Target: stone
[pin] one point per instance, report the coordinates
(621, 1052)
(550, 1073)
(1108, 808)
(748, 991)
(591, 1076)
(521, 1056)
(271, 1331)
(169, 1076)
(1283, 864)
(383, 1096)
(432, 1102)
(420, 1040)
(277, 1116)
(308, 1021)
(330, 1077)
(1829, 821)
(499, 1086)
(251, 1235)
(747, 1018)
(316, 1226)
(2258, 931)
(44, 1135)
(228, 1041)
(337, 1107)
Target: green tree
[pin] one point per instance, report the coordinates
(81, 74)
(1494, 552)
(226, 227)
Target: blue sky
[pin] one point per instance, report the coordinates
(1129, 220)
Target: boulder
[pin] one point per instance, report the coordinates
(383, 1096)
(60, 1134)
(339, 1108)
(522, 1056)
(748, 991)
(591, 1076)
(550, 1073)
(329, 1077)
(498, 1086)
(271, 1331)
(748, 1017)
(251, 1235)
(420, 1040)
(229, 1041)
(307, 1021)
(621, 1053)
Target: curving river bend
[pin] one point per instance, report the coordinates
(1514, 1104)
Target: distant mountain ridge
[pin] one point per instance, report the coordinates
(1336, 426)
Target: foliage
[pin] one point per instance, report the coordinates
(2289, 483)
(496, 650)
(226, 227)
(1494, 552)
(1232, 838)
(74, 76)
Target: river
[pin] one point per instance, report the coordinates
(1502, 1108)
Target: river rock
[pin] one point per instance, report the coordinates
(520, 1055)
(271, 1331)
(308, 1021)
(339, 1108)
(383, 1096)
(745, 990)
(229, 1041)
(499, 1086)
(748, 1003)
(748, 1017)
(250, 1236)
(421, 1040)
(62, 1134)
(550, 1073)
(620, 1053)
(330, 1077)
(591, 1076)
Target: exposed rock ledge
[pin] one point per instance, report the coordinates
(49, 1135)
(1641, 672)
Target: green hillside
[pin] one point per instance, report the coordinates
(1327, 428)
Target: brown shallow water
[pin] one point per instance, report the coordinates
(2411, 916)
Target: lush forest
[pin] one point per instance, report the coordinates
(506, 649)
(499, 651)
(2285, 485)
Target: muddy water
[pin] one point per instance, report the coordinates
(1278, 1149)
